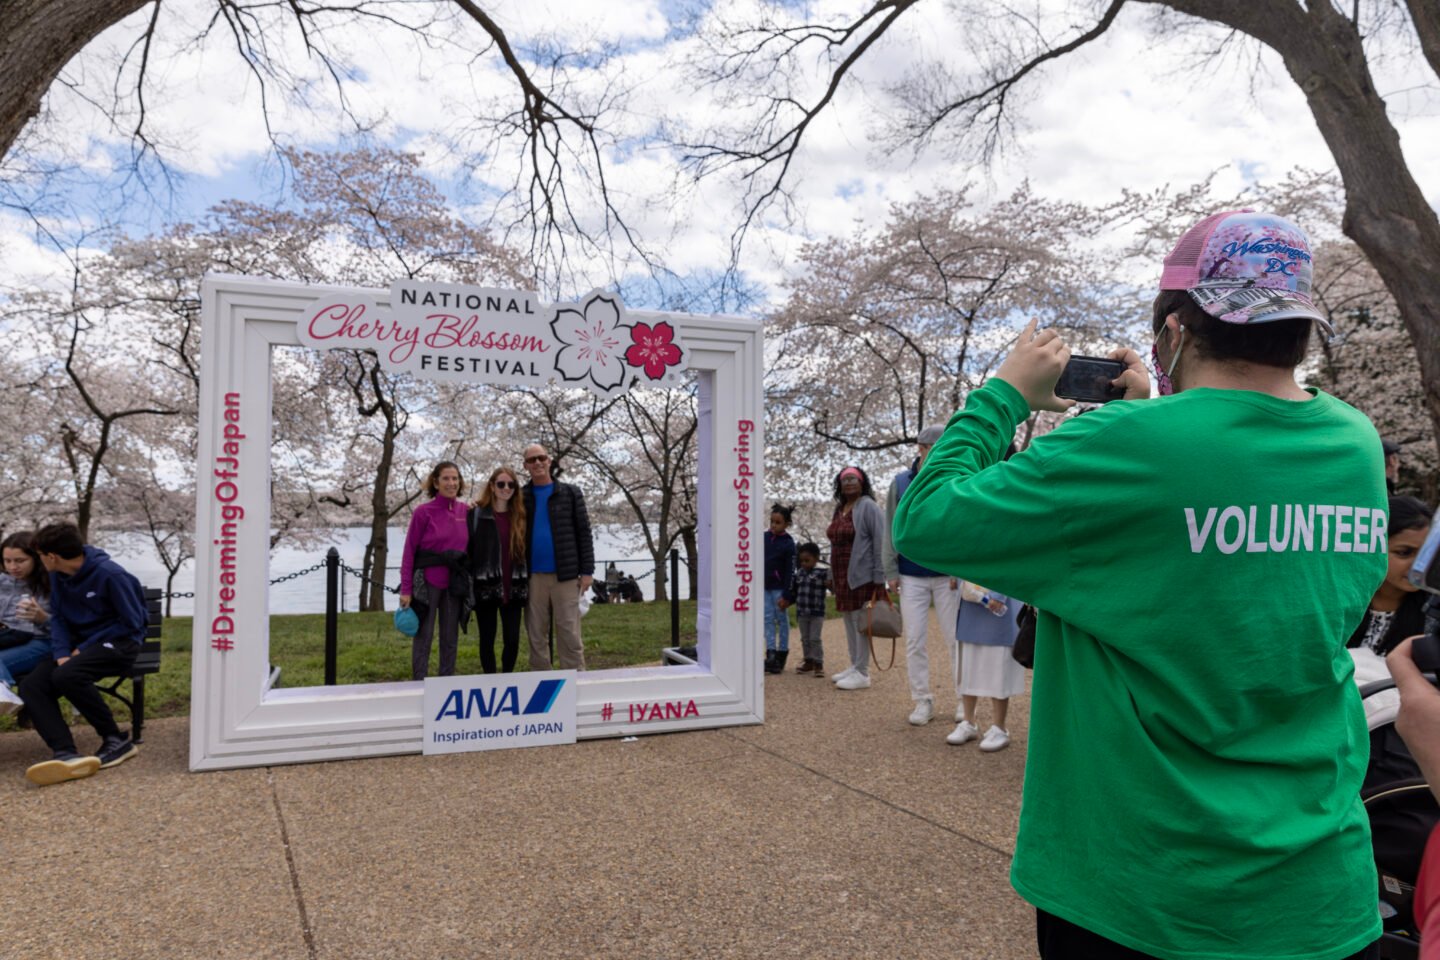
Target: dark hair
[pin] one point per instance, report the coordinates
(1278, 343)
(431, 484)
(784, 511)
(61, 539)
(38, 580)
(865, 489)
(1408, 513)
(809, 547)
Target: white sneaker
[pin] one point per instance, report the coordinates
(995, 739)
(964, 732)
(847, 672)
(856, 681)
(9, 701)
(924, 710)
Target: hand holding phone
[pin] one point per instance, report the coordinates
(1033, 366)
(30, 610)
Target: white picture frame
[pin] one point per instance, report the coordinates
(236, 720)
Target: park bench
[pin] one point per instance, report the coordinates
(146, 663)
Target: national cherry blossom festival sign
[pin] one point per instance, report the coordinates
(443, 331)
(240, 717)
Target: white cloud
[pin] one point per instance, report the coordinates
(1117, 114)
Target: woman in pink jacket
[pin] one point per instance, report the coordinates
(434, 573)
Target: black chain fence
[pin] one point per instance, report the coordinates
(190, 594)
(359, 575)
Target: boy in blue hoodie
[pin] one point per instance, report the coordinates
(96, 628)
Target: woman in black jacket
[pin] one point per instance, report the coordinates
(497, 561)
(1397, 610)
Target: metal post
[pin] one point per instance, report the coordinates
(332, 617)
(674, 597)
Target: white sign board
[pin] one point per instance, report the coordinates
(499, 711)
(442, 331)
(501, 337)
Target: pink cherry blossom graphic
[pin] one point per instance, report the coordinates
(653, 348)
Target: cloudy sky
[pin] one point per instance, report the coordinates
(1137, 110)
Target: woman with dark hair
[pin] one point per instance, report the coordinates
(1398, 608)
(24, 614)
(497, 561)
(857, 546)
(435, 569)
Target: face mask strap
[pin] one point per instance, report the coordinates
(1179, 345)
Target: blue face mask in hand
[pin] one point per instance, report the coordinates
(407, 622)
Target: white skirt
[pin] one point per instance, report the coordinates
(990, 672)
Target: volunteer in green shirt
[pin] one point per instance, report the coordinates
(1196, 744)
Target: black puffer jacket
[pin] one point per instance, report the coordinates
(569, 531)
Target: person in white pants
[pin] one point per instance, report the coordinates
(919, 588)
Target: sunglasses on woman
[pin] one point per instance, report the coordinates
(504, 484)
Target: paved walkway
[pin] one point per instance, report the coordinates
(834, 830)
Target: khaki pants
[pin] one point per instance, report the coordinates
(550, 597)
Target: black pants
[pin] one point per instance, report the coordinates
(445, 609)
(1061, 940)
(75, 680)
(510, 642)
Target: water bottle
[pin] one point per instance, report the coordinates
(985, 602)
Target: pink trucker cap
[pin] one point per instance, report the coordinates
(1245, 267)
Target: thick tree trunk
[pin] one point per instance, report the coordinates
(377, 550)
(662, 573)
(37, 39)
(1386, 213)
(692, 559)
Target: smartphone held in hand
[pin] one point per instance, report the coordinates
(1087, 380)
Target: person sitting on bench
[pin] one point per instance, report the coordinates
(97, 625)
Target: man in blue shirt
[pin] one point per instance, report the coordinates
(97, 623)
(561, 551)
(920, 587)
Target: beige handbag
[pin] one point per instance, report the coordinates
(882, 619)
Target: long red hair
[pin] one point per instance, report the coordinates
(517, 509)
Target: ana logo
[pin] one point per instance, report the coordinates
(461, 706)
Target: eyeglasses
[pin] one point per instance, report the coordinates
(504, 484)
(538, 458)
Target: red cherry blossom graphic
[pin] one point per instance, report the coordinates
(653, 349)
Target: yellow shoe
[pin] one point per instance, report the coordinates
(62, 768)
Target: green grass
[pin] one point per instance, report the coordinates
(370, 650)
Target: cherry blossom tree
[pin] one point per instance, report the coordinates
(884, 332)
(364, 218)
(646, 452)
